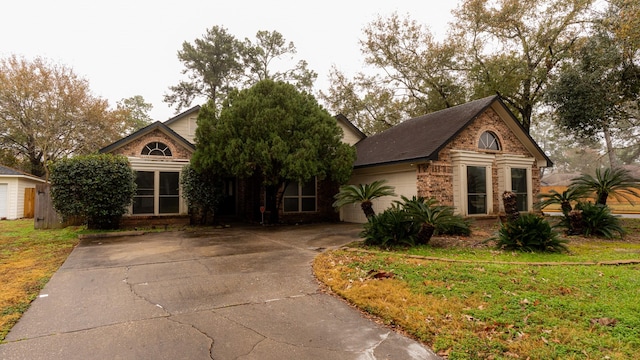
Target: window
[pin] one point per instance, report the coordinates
(156, 149)
(158, 193)
(300, 197)
(476, 190)
(519, 187)
(488, 141)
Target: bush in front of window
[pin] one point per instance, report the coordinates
(96, 188)
(529, 233)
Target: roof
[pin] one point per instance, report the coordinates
(11, 172)
(185, 113)
(343, 119)
(421, 138)
(147, 129)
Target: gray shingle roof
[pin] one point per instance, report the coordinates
(419, 138)
(8, 171)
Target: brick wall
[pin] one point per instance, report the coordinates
(435, 179)
(134, 148)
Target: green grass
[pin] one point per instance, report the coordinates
(482, 305)
(28, 259)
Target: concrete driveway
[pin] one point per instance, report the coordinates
(237, 293)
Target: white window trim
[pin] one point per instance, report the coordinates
(157, 167)
(461, 160)
(507, 162)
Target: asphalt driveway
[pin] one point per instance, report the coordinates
(236, 293)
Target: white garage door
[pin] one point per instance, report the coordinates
(4, 200)
(404, 183)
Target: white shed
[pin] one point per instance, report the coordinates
(13, 185)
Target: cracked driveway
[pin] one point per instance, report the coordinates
(238, 293)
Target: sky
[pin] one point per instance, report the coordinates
(129, 47)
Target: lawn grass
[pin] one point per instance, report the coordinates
(28, 259)
(488, 307)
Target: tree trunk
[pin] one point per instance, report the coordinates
(367, 208)
(425, 233)
(613, 161)
(602, 198)
(510, 202)
(576, 226)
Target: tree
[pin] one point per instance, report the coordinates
(363, 194)
(513, 46)
(617, 182)
(47, 112)
(274, 132)
(202, 190)
(98, 188)
(135, 112)
(414, 74)
(269, 46)
(213, 65)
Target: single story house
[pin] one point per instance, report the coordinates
(465, 156)
(17, 189)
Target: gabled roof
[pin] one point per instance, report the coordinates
(343, 119)
(421, 138)
(11, 172)
(185, 113)
(146, 130)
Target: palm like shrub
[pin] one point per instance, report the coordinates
(598, 220)
(565, 199)
(392, 227)
(531, 233)
(618, 183)
(433, 218)
(363, 195)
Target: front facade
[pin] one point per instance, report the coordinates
(16, 189)
(466, 157)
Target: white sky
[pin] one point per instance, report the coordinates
(128, 47)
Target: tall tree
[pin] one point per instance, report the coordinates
(135, 112)
(47, 112)
(514, 45)
(597, 94)
(268, 47)
(275, 132)
(414, 74)
(213, 65)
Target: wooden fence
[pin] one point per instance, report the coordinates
(617, 206)
(45, 215)
(29, 203)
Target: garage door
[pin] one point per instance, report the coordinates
(404, 183)
(4, 200)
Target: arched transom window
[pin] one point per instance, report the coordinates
(488, 141)
(156, 148)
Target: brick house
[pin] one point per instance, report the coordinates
(465, 156)
(158, 154)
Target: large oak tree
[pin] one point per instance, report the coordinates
(47, 112)
(274, 132)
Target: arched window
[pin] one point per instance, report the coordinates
(488, 141)
(156, 149)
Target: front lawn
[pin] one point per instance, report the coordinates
(28, 258)
(468, 301)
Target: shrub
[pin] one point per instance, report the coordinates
(98, 188)
(202, 190)
(392, 227)
(433, 218)
(531, 233)
(598, 220)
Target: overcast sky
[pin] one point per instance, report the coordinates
(128, 47)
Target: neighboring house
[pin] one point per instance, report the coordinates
(466, 156)
(14, 184)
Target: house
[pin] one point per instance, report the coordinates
(158, 154)
(465, 156)
(17, 193)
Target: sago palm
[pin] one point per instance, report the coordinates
(430, 216)
(618, 183)
(565, 199)
(363, 195)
